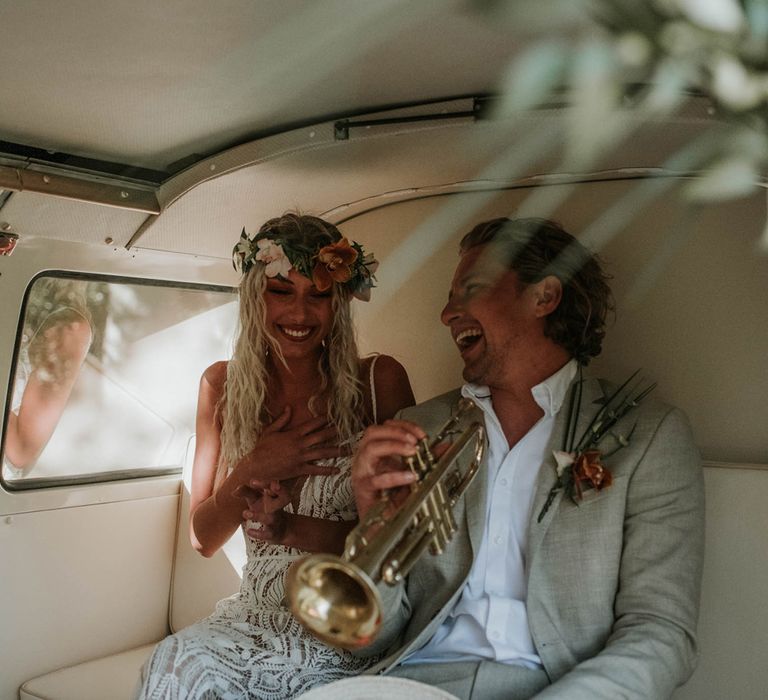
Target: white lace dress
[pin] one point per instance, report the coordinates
(252, 647)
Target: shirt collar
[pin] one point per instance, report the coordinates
(549, 394)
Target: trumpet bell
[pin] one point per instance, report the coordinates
(335, 600)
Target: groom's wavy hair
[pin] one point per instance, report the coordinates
(242, 407)
(535, 248)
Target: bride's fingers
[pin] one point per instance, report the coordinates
(262, 533)
(280, 422)
(315, 425)
(253, 489)
(328, 435)
(262, 526)
(253, 499)
(278, 502)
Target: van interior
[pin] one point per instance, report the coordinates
(138, 139)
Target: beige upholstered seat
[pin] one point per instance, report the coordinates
(196, 586)
(112, 677)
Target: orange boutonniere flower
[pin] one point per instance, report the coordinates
(590, 473)
(334, 264)
(578, 466)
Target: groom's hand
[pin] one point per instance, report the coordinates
(377, 464)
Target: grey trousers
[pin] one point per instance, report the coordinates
(477, 680)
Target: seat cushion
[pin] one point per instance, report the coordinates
(115, 677)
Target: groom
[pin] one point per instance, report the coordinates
(579, 587)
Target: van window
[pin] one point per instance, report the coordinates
(105, 377)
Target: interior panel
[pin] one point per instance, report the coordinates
(80, 583)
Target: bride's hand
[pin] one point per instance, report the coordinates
(265, 510)
(282, 453)
(264, 497)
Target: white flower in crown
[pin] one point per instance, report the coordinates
(273, 256)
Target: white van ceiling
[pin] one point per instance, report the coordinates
(152, 84)
(170, 125)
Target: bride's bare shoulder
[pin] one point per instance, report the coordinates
(215, 376)
(391, 386)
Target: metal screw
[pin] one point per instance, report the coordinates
(46, 179)
(108, 240)
(212, 166)
(5, 226)
(124, 194)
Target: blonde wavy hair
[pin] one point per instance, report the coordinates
(242, 407)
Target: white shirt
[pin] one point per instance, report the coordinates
(489, 620)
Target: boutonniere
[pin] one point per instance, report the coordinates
(579, 465)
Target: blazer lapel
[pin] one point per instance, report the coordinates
(592, 393)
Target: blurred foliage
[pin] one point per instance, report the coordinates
(717, 48)
(605, 57)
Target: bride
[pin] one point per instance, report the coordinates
(275, 427)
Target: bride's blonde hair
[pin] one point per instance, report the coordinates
(242, 405)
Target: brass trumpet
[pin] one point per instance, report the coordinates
(335, 598)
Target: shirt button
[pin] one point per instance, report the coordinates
(504, 482)
(498, 539)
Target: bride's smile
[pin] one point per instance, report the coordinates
(299, 333)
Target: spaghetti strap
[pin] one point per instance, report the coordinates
(373, 388)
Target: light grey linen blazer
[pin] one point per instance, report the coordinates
(613, 583)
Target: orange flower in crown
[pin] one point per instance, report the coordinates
(334, 264)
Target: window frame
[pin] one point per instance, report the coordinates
(27, 484)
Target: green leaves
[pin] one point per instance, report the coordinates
(732, 177)
(625, 59)
(532, 77)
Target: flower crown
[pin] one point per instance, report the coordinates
(343, 262)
